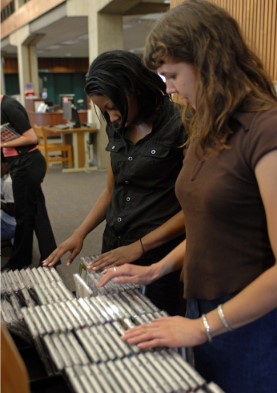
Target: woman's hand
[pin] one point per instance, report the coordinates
(73, 245)
(141, 275)
(173, 332)
(118, 256)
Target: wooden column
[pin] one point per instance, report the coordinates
(258, 22)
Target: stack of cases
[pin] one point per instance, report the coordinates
(81, 339)
(28, 288)
(87, 280)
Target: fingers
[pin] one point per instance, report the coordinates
(126, 273)
(56, 255)
(100, 263)
(108, 274)
(103, 261)
(69, 261)
(71, 257)
(53, 258)
(144, 336)
(118, 274)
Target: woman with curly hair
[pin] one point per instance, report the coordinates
(227, 189)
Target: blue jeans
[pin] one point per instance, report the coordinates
(241, 361)
(7, 231)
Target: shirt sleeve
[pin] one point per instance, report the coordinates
(17, 116)
(262, 136)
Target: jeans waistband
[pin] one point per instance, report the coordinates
(197, 307)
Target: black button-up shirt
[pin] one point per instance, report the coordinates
(145, 174)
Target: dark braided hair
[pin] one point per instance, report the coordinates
(118, 74)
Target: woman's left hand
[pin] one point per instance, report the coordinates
(171, 332)
(118, 256)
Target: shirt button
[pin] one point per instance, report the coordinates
(128, 199)
(130, 158)
(153, 151)
(113, 147)
(119, 219)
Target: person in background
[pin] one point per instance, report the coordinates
(143, 217)
(8, 222)
(27, 170)
(227, 189)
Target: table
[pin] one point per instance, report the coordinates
(76, 136)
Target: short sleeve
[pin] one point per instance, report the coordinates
(17, 116)
(262, 135)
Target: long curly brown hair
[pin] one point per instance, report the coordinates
(206, 36)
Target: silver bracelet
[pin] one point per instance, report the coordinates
(207, 328)
(223, 319)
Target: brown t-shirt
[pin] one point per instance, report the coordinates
(227, 239)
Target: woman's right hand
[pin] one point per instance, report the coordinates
(128, 273)
(73, 244)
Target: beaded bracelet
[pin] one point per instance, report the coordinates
(207, 328)
(223, 319)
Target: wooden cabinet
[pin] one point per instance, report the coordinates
(52, 118)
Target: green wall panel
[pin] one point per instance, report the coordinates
(11, 84)
(55, 84)
(64, 83)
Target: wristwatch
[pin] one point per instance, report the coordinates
(5, 144)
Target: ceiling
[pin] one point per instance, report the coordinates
(68, 36)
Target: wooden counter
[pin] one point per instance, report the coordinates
(52, 118)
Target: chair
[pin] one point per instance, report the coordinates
(53, 152)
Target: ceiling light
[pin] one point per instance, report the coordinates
(52, 47)
(70, 42)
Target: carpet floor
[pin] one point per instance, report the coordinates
(69, 197)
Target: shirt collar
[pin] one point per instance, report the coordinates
(244, 118)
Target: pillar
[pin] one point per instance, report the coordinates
(105, 33)
(2, 87)
(27, 60)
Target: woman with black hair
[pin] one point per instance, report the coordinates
(143, 218)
